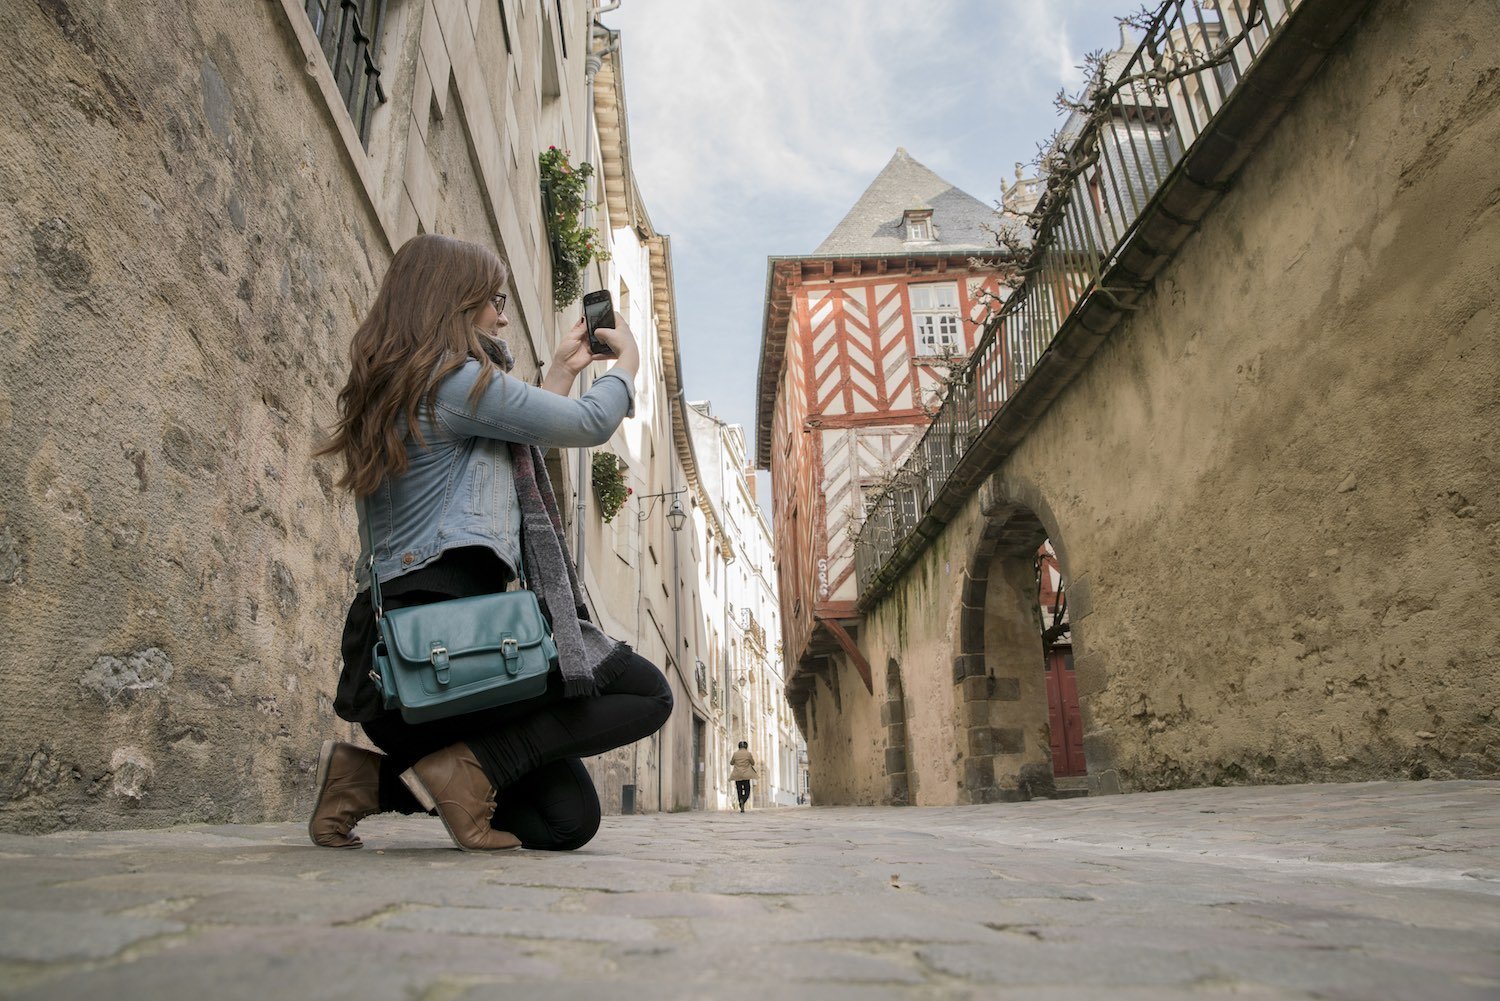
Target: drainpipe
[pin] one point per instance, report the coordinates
(677, 656)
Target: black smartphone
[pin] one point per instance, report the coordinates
(598, 311)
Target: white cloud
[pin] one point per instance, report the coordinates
(804, 102)
(737, 101)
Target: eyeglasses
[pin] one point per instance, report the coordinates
(499, 300)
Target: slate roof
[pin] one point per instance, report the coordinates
(874, 224)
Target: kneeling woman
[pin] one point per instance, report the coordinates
(442, 451)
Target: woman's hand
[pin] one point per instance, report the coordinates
(627, 354)
(573, 354)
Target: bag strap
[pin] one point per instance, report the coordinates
(363, 508)
(363, 517)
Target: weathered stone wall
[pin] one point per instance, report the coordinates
(1284, 492)
(848, 737)
(186, 246)
(1275, 487)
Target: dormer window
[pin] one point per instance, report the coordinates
(917, 225)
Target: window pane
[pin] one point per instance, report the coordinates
(942, 295)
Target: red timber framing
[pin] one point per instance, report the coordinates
(843, 392)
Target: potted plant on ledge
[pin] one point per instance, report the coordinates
(609, 484)
(574, 246)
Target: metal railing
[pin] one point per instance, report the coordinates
(1165, 95)
(349, 31)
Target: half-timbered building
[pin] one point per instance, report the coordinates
(858, 343)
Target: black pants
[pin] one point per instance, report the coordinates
(531, 751)
(742, 790)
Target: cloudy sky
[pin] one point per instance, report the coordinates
(756, 124)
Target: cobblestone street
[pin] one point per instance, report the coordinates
(1340, 891)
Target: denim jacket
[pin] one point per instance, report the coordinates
(459, 489)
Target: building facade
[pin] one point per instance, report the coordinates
(859, 340)
(201, 204)
(752, 676)
(639, 569)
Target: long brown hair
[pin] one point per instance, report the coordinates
(420, 330)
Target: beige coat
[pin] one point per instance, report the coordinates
(742, 765)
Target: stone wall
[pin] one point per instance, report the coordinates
(1274, 488)
(188, 243)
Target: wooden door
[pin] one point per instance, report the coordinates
(1066, 722)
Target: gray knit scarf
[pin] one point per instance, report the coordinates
(589, 659)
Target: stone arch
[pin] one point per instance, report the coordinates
(997, 672)
(898, 777)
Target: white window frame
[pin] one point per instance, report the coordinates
(934, 313)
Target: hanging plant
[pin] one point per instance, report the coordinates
(609, 484)
(574, 246)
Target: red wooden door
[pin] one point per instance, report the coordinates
(1066, 722)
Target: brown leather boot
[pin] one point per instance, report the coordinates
(348, 790)
(452, 782)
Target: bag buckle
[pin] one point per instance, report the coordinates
(439, 658)
(511, 651)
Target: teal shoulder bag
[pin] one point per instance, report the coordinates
(459, 656)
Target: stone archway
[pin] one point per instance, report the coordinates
(998, 678)
(900, 782)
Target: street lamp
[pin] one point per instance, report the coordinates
(675, 514)
(675, 517)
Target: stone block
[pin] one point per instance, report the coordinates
(892, 679)
(895, 760)
(1009, 739)
(976, 689)
(1080, 599)
(890, 712)
(966, 666)
(895, 735)
(979, 773)
(421, 102)
(421, 184)
(530, 924)
(974, 590)
(46, 937)
(971, 630)
(975, 713)
(979, 741)
(898, 789)
(407, 223)
(1005, 689)
(1090, 673)
(1099, 749)
(1036, 780)
(435, 54)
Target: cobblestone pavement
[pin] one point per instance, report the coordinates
(1387, 890)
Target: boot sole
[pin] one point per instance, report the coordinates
(325, 760)
(413, 781)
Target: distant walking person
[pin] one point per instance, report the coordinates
(742, 765)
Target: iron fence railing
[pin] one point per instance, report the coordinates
(349, 31)
(1166, 93)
